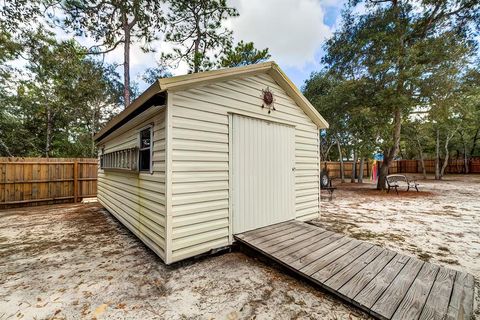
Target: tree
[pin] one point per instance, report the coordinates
(62, 98)
(153, 74)
(391, 48)
(415, 133)
(195, 27)
(9, 50)
(112, 23)
(243, 54)
(344, 103)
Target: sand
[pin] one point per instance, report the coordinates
(76, 261)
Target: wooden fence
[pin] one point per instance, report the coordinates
(333, 168)
(455, 166)
(32, 181)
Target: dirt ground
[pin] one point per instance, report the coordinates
(78, 262)
(440, 224)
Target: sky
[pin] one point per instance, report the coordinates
(294, 31)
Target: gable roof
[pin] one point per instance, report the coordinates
(202, 78)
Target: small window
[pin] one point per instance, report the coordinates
(125, 159)
(145, 151)
(101, 159)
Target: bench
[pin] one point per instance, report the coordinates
(393, 180)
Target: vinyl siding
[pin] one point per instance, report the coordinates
(200, 158)
(138, 199)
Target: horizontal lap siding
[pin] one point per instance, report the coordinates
(200, 159)
(138, 200)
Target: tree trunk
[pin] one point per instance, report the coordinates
(465, 154)
(445, 162)
(437, 157)
(388, 157)
(5, 147)
(447, 153)
(354, 167)
(474, 144)
(465, 159)
(196, 48)
(397, 119)
(48, 142)
(360, 169)
(326, 153)
(92, 133)
(342, 169)
(422, 160)
(126, 61)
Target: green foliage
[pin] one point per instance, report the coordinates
(195, 28)
(112, 23)
(397, 57)
(106, 21)
(153, 74)
(341, 103)
(243, 54)
(60, 100)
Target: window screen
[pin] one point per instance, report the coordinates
(145, 150)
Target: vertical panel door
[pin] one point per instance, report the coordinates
(263, 173)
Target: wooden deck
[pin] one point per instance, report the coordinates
(386, 284)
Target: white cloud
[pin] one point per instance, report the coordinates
(293, 30)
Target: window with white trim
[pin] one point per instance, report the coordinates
(145, 150)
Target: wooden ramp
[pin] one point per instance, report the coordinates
(386, 284)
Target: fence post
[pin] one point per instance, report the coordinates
(75, 181)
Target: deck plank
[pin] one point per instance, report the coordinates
(461, 302)
(298, 255)
(394, 294)
(275, 246)
(381, 282)
(437, 302)
(330, 258)
(347, 273)
(324, 274)
(301, 245)
(257, 233)
(413, 302)
(317, 254)
(360, 281)
(375, 288)
(254, 239)
(282, 238)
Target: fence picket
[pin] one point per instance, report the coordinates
(35, 181)
(455, 166)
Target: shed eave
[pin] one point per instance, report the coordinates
(137, 103)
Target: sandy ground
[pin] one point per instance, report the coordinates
(78, 262)
(440, 224)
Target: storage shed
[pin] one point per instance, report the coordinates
(198, 158)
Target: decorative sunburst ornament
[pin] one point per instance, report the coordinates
(268, 99)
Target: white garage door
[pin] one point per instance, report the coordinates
(263, 173)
